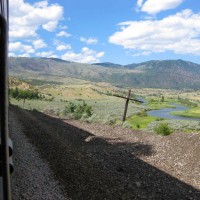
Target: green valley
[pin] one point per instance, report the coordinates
(57, 83)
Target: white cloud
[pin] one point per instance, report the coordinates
(62, 47)
(145, 53)
(26, 18)
(63, 34)
(46, 54)
(85, 56)
(156, 6)
(11, 54)
(24, 55)
(42, 4)
(20, 48)
(38, 44)
(50, 26)
(16, 32)
(100, 54)
(179, 33)
(63, 27)
(139, 3)
(89, 40)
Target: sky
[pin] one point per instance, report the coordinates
(117, 31)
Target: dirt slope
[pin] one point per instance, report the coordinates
(105, 162)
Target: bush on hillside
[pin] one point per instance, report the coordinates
(69, 108)
(93, 119)
(24, 94)
(126, 125)
(78, 111)
(159, 119)
(163, 129)
(110, 120)
(142, 113)
(138, 126)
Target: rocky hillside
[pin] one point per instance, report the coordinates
(14, 82)
(176, 74)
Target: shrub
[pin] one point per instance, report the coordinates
(79, 99)
(84, 117)
(126, 125)
(58, 112)
(163, 129)
(162, 99)
(109, 120)
(92, 119)
(138, 126)
(142, 113)
(24, 94)
(69, 108)
(78, 111)
(159, 119)
(82, 109)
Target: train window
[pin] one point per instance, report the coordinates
(4, 154)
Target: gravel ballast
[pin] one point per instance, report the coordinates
(88, 161)
(32, 177)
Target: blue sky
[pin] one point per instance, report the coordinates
(118, 31)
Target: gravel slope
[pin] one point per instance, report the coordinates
(177, 154)
(105, 162)
(32, 177)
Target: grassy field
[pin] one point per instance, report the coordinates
(102, 107)
(139, 122)
(96, 95)
(160, 105)
(105, 107)
(194, 113)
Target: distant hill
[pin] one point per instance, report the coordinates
(177, 74)
(172, 74)
(108, 64)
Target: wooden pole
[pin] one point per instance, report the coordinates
(126, 105)
(127, 101)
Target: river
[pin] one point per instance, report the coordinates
(165, 113)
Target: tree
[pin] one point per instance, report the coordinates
(24, 94)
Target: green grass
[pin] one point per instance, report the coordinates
(156, 104)
(159, 105)
(193, 113)
(137, 122)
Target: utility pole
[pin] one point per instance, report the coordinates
(127, 101)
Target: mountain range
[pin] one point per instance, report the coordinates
(171, 74)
